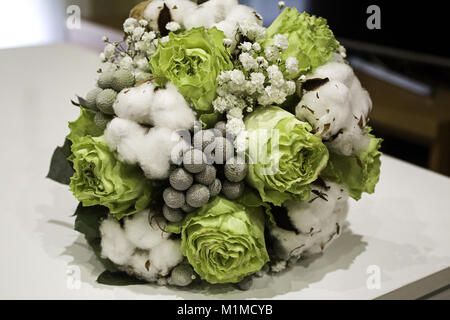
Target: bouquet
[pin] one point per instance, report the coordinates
(214, 149)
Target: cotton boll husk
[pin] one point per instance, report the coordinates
(155, 156)
(125, 137)
(178, 8)
(169, 109)
(166, 256)
(115, 245)
(139, 265)
(319, 223)
(342, 104)
(139, 231)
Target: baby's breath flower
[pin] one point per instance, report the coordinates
(148, 36)
(126, 62)
(227, 42)
(102, 57)
(246, 46)
(110, 51)
(235, 113)
(173, 26)
(129, 25)
(256, 47)
(281, 42)
(237, 77)
(281, 4)
(143, 23)
(262, 62)
(165, 39)
(138, 33)
(292, 65)
(272, 53)
(235, 126)
(248, 62)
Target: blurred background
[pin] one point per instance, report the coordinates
(400, 56)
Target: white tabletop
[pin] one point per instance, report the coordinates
(402, 231)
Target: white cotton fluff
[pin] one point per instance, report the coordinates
(338, 108)
(170, 110)
(208, 13)
(125, 137)
(155, 156)
(150, 149)
(166, 256)
(143, 235)
(139, 265)
(147, 104)
(115, 245)
(319, 223)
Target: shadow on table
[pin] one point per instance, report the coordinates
(338, 256)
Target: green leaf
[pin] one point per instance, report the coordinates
(87, 222)
(60, 168)
(118, 279)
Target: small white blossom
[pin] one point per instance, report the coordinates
(241, 142)
(138, 33)
(227, 42)
(248, 62)
(302, 77)
(290, 87)
(235, 113)
(252, 30)
(256, 47)
(148, 36)
(272, 53)
(143, 23)
(280, 41)
(235, 126)
(105, 39)
(102, 57)
(292, 65)
(237, 77)
(173, 26)
(126, 63)
(141, 62)
(275, 76)
(281, 4)
(110, 51)
(246, 46)
(165, 39)
(262, 62)
(129, 25)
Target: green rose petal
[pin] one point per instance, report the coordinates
(101, 179)
(310, 39)
(285, 172)
(358, 173)
(223, 241)
(192, 60)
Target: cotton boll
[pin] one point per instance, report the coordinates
(178, 8)
(139, 265)
(139, 231)
(319, 222)
(338, 109)
(155, 156)
(134, 103)
(169, 109)
(115, 245)
(242, 13)
(125, 137)
(166, 256)
(208, 13)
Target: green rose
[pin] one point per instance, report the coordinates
(192, 60)
(223, 240)
(284, 156)
(84, 126)
(101, 179)
(358, 173)
(310, 39)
